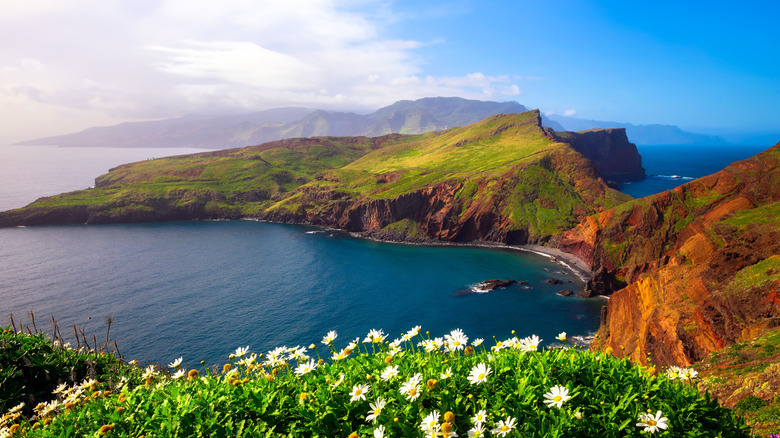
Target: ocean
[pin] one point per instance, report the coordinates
(202, 289)
(668, 166)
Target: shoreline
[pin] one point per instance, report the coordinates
(568, 261)
(579, 267)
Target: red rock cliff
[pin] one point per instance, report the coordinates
(699, 264)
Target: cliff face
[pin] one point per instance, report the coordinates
(526, 204)
(699, 264)
(612, 154)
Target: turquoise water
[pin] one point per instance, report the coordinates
(201, 289)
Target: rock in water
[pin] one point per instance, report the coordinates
(494, 284)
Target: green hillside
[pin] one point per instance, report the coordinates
(502, 179)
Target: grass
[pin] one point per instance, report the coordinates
(746, 376)
(416, 385)
(758, 275)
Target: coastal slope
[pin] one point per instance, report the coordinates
(690, 270)
(504, 179)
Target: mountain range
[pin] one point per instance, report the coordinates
(403, 117)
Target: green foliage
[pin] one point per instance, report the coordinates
(750, 403)
(761, 274)
(406, 227)
(31, 367)
(284, 393)
(762, 215)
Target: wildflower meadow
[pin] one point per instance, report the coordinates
(413, 386)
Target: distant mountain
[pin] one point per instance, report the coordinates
(403, 117)
(406, 117)
(641, 134)
(196, 131)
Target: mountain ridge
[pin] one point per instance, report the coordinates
(229, 131)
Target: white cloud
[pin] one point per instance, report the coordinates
(237, 62)
(570, 112)
(150, 59)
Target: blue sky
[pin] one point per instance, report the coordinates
(705, 66)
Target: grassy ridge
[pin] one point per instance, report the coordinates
(501, 175)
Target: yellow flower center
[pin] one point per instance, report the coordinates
(481, 376)
(377, 411)
(558, 398)
(504, 428)
(651, 422)
(358, 391)
(412, 391)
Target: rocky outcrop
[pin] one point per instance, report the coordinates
(690, 270)
(616, 158)
(489, 285)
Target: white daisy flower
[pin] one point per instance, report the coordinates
(687, 373)
(330, 337)
(306, 367)
(530, 343)
(376, 409)
(561, 336)
(557, 396)
(673, 372)
(480, 418)
(504, 427)
(379, 432)
(430, 424)
(478, 431)
(414, 331)
(411, 388)
(176, 363)
(479, 374)
(359, 392)
(389, 372)
(375, 336)
(652, 423)
(456, 340)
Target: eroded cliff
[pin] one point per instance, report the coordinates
(692, 269)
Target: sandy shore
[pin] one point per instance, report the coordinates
(573, 263)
